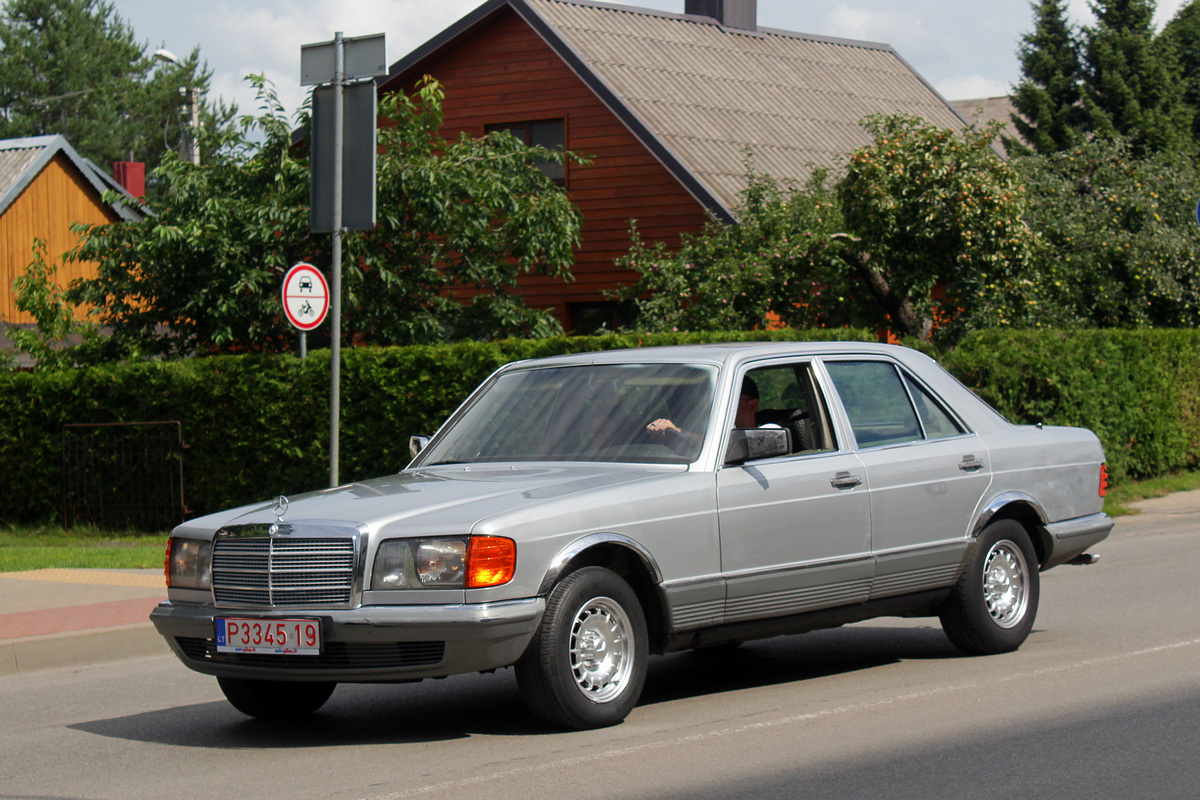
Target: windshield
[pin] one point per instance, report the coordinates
(583, 413)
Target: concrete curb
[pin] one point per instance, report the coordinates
(80, 648)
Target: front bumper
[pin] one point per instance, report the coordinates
(370, 644)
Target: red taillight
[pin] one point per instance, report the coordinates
(491, 561)
(167, 564)
(1103, 479)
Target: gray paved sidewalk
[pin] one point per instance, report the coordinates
(74, 617)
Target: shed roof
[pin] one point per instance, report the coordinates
(705, 98)
(21, 160)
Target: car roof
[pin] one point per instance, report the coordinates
(724, 353)
(728, 355)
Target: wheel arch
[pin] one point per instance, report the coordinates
(627, 558)
(1023, 509)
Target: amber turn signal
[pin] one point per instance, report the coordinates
(491, 561)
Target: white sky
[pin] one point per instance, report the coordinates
(965, 48)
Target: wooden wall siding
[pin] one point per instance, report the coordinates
(57, 197)
(504, 73)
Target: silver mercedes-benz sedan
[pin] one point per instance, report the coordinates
(577, 514)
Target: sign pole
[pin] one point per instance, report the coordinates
(335, 350)
(336, 63)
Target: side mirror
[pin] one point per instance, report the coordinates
(416, 444)
(748, 444)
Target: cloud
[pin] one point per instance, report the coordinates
(904, 31)
(971, 87)
(243, 37)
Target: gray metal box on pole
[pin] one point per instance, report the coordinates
(358, 158)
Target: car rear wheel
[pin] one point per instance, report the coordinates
(276, 699)
(586, 665)
(993, 606)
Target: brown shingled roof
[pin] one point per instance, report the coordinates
(711, 93)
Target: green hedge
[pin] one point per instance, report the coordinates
(255, 426)
(1138, 390)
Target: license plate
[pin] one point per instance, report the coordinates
(285, 637)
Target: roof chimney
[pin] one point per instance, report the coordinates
(131, 175)
(729, 13)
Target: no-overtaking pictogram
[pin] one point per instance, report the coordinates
(305, 296)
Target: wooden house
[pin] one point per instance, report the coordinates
(45, 187)
(672, 108)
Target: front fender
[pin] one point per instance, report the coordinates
(560, 562)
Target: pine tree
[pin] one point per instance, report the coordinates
(1132, 84)
(73, 67)
(1183, 33)
(1051, 116)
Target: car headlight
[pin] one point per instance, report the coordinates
(469, 562)
(442, 562)
(189, 564)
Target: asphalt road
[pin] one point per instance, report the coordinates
(1103, 701)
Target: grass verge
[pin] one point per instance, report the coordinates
(51, 547)
(1116, 503)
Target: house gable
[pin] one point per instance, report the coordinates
(45, 187)
(501, 72)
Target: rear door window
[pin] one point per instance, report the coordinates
(876, 402)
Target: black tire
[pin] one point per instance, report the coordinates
(586, 665)
(276, 699)
(993, 606)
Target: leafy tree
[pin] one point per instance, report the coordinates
(935, 229)
(925, 228)
(73, 67)
(57, 339)
(460, 218)
(204, 275)
(1051, 116)
(776, 264)
(1119, 233)
(1132, 84)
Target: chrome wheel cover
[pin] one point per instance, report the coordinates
(1006, 584)
(601, 649)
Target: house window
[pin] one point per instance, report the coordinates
(586, 319)
(548, 133)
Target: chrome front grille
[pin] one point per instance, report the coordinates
(274, 572)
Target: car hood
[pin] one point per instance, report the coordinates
(439, 500)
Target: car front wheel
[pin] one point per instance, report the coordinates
(992, 608)
(586, 665)
(276, 699)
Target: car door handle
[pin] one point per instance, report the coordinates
(970, 464)
(844, 480)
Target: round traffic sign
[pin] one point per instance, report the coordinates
(305, 296)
